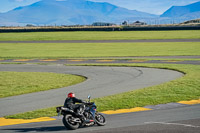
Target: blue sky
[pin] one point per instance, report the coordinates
(150, 6)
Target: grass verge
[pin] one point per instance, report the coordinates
(67, 50)
(17, 83)
(100, 35)
(185, 88)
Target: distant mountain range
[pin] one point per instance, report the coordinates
(83, 12)
(187, 12)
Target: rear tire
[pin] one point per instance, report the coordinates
(69, 124)
(100, 119)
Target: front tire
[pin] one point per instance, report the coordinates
(69, 124)
(100, 119)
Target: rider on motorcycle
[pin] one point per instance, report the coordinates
(79, 115)
(71, 101)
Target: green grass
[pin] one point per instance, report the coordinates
(17, 83)
(185, 88)
(61, 50)
(100, 35)
(48, 112)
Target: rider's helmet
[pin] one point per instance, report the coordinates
(70, 95)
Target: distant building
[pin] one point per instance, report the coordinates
(102, 24)
(30, 25)
(196, 21)
(125, 23)
(138, 23)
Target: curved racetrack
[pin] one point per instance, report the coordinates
(101, 81)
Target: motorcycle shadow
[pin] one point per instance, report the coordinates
(40, 129)
(45, 129)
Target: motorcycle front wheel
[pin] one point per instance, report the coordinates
(100, 119)
(69, 123)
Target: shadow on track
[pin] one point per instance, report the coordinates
(40, 129)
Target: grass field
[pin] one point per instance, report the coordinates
(17, 83)
(67, 50)
(100, 35)
(185, 88)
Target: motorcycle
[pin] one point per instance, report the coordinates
(72, 120)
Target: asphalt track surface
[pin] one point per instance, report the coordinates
(113, 60)
(178, 118)
(101, 81)
(106, 41)
(110, 79)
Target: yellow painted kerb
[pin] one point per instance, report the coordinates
(171, 61)
(49, 60)
(137, 60)
(190, 102)
(6, 122)
(104, 60)
(126, 110)
(76, 60)
(22, 60)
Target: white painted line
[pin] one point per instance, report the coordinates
(177, 124)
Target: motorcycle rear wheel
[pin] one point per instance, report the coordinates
(69, 124)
